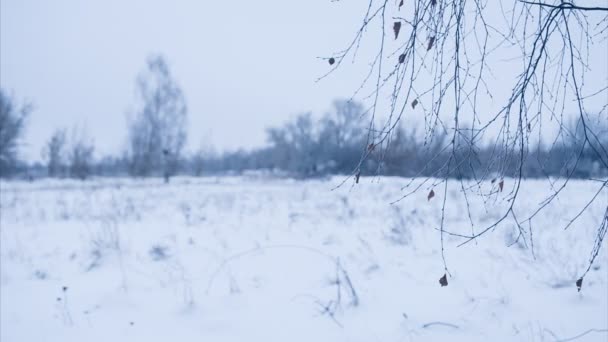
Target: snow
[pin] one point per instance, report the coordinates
(262, 259)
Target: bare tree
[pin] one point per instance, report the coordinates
(157, 131)
(296, 145)
(344, 122)
(342, 135)
(198, 163)
(438, 60)
(200, 158)
(12, 125)
(55, 155)
(80, 156)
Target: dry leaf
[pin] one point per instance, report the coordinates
(431, 42)
(501, 184)
(402, 58)
(371, 147)
(579, 284)
(414, 103)
(493, 180)
(332, 61)
(443, 280)
(433, 3)
(396, 28)
(431, 195)
(400, 4)
(357, 177)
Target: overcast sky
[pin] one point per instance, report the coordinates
(243, 65)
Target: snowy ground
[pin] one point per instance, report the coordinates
(253, 259)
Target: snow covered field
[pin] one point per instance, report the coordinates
(254, 259)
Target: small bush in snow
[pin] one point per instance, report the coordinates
(159, 252)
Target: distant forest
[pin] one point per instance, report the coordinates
(304, 147)
(335, 144)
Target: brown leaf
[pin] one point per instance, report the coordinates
(414, 103)
(371, 147)
(493, 180)
(443, 280)
(357, 177)
(402, 58)
(400, 4)
(529, 127)
(501, 184)
(433, 3)
(332, 61)
(579, 284)
(431, 42)
(396, 28)
(431, 195)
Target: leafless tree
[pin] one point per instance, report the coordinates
(440, 60)
(157, 130)
(343, 123)
(80, 156)
(55, 155)
(296, 145)
(200, 158)
(341, 135)
(198, 163)
(12, 125)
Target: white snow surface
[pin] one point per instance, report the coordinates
(261, 259)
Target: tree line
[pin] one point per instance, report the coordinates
(303, 147)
